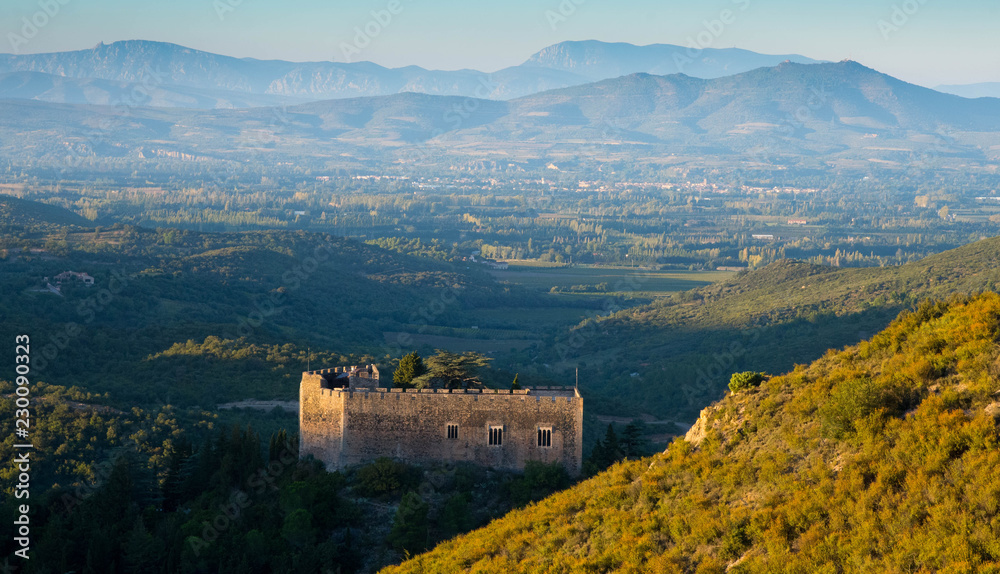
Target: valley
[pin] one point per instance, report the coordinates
(771, 279)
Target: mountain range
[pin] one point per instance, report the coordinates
(982, 90)
(841, 113)
(175, 76)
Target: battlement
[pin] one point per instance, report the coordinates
(354, 377)
(345, 418)
(553, 392)
(361, 372)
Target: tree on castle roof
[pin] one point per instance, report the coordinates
(410, 367)
(452, 370)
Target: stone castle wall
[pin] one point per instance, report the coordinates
(347, 425)
(321, 418)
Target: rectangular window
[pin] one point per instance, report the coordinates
(496, 436)
(544, 436)
(452, 431)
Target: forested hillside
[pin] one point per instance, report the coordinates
(190, 318)
(684, 347)
(881, 457)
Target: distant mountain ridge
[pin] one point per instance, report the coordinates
(173, 71)
(842, 112)
(603, 60)
(983, 90)
(44, 87)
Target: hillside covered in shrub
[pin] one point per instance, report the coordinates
(685, 346)
(880, 457)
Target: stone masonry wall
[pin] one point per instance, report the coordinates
(321, 418)
(343, 427)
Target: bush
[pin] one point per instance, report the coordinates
(745, 380)
(735, 541)
(539, 480)
(384, 476)
(410, 527)
(857, 398)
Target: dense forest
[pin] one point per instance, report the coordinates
(203, 318)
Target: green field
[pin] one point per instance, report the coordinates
(593, 280)
(502, 329)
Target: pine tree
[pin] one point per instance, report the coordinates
(410, 367)
(278, 445)
(633, 442)
(604, 454)
(452, 370)
(409, 529)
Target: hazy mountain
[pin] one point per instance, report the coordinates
(183, 77)
(985, 90)
(822, 103)
(61, 89)
(158, 65)
(830, 111)
(603, 60)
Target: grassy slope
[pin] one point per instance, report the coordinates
(878, 458)
(685, 347)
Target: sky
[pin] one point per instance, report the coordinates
(928, 42)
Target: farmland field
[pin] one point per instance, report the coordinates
(592, 280)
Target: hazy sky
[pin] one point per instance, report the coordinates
(923, 41)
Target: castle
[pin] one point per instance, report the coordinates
(345, 418)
